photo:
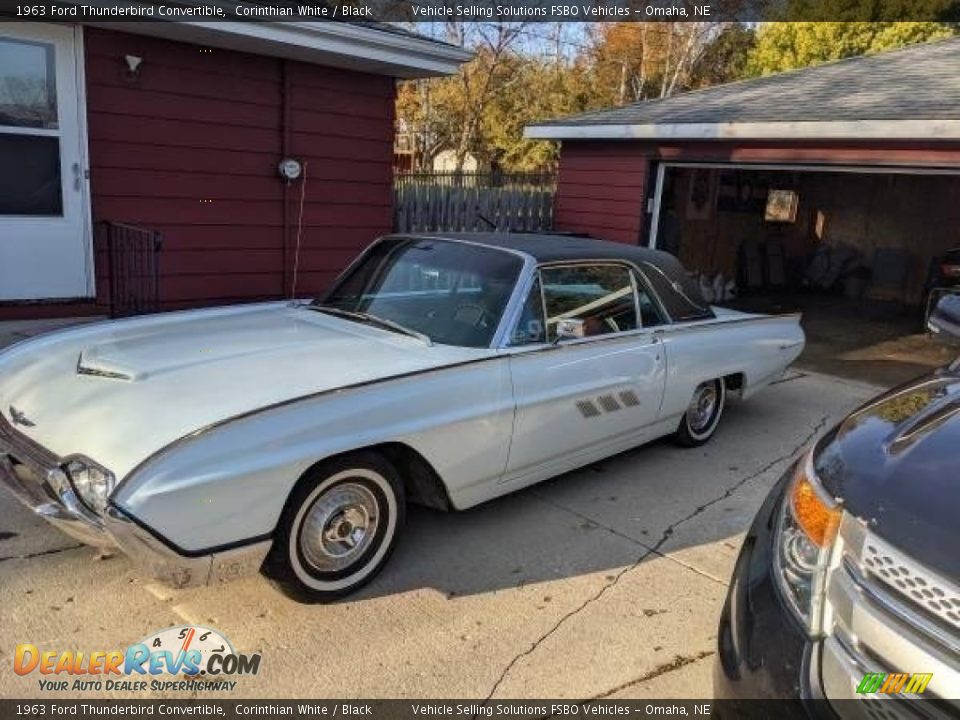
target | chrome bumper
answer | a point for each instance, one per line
(32, 473)
(181, 571)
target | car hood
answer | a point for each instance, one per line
(118, 391)
(895, 462)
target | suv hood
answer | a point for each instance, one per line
(119, 391)
(895, 463)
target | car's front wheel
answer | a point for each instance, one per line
(338, 528)
(703, 413)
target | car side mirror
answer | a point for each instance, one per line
(570, 329)
(944, 320)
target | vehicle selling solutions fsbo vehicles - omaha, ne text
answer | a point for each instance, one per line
(847, 587)
(445, 370)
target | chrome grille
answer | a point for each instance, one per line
(32, 480)
(27, 451)
(912, 580)
(27, 462)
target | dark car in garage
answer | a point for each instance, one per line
(846, 594)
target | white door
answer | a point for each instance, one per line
(581, 399)
(45, 249)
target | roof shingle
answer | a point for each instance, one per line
(919, 82)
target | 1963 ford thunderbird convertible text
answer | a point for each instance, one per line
(444, 370)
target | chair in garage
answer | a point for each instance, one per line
(890, 269)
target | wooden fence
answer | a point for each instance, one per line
(476, 179)
(478, 202)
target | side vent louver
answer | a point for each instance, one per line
(608, 403)
(587, 409)
(629, 398)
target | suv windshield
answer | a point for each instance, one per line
(454, 293)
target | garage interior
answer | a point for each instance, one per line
(854, 250)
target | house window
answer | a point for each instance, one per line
(29, 130)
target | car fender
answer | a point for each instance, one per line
(228, 483)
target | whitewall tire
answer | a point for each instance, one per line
(338, 528)
(702, 416)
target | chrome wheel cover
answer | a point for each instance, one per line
(339, 527)
(703, 407)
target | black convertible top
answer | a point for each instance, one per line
(679, 293)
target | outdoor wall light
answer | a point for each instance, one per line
(133, 63)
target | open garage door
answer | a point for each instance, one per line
(857, 250)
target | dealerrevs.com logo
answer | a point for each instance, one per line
(178, 658)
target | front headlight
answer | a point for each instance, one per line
(92, 483)
(806, 531)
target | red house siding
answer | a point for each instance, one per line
(601, 190)
(603, 185)
(190, 148)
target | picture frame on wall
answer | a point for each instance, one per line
(781, 206)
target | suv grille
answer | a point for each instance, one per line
(911, 580)
(887, 613)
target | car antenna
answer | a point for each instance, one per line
(296, 253)
(488, 221)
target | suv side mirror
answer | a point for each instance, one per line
(569, 329)
(944, 321)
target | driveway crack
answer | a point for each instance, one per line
(625, 536)
(650, 550)
(679, 661)
(54, 551)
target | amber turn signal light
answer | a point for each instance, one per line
(816, 516)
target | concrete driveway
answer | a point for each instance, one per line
(606, 582)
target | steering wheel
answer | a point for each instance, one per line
(479, 312)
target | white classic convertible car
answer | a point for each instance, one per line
(444, 370)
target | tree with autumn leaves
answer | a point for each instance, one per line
(483, 109)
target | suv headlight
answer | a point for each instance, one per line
(806, 531)
(92, 483)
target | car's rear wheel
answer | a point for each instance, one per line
(702, 416)
(338, 528)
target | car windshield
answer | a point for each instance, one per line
(453, 293)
